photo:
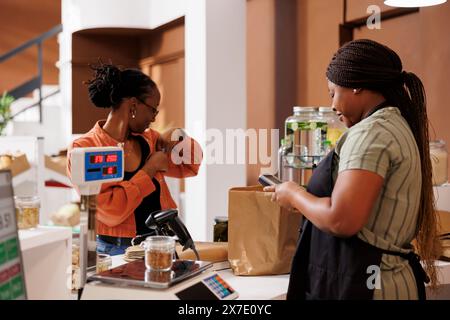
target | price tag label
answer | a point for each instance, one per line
(12, 285)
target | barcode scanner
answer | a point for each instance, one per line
(167, 223)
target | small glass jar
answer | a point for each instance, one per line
(27, 211)
(104, 262)
(76, 274)
(159, 251)
(334, 129)
(221, 229)
(439, 162)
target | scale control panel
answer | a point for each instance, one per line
(210, 288)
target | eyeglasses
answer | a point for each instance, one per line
(154, 110)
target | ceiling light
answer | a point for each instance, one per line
(413, 3)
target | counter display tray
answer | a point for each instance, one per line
(135, 274)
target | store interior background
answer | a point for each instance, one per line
(221, 64)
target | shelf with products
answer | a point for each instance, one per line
(28, 164)
(442, 196)
(55, 170)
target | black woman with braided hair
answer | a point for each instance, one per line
(123, 207)
(371, 197)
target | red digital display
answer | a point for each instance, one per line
(109, 170)
(96, 159)
(111, 157)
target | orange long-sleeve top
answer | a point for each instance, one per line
(117, 201)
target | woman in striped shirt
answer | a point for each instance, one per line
(371, 196)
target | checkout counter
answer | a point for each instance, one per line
(188, 279)
(246, 287)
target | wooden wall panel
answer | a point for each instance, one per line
(134, 48)
(169, 77)
(318, 39)
(358, 8)
(261, 85)
(162, 58)
(420, 39)
(23, 20)
(165, 40)
(87, 47)
(435, 51)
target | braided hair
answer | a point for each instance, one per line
(110, 85)
(370, 65)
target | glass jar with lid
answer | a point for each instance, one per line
(221, 229)
(303, 136)
(300, 120)
(27, 211)
(439, 162)
(103, 263)
(159, 252)
(334, 128)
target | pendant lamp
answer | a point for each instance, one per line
(413, 3)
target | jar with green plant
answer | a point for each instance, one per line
(5, 111)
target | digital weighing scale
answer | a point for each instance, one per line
(91, 167)
(188, 279)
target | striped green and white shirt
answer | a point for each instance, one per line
(384, 144)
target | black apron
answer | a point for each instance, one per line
(328, 267)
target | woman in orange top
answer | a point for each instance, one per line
(123, 207)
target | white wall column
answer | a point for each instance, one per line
(215, 46)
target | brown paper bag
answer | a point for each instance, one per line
(262, 237)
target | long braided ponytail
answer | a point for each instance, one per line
(370, 65)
